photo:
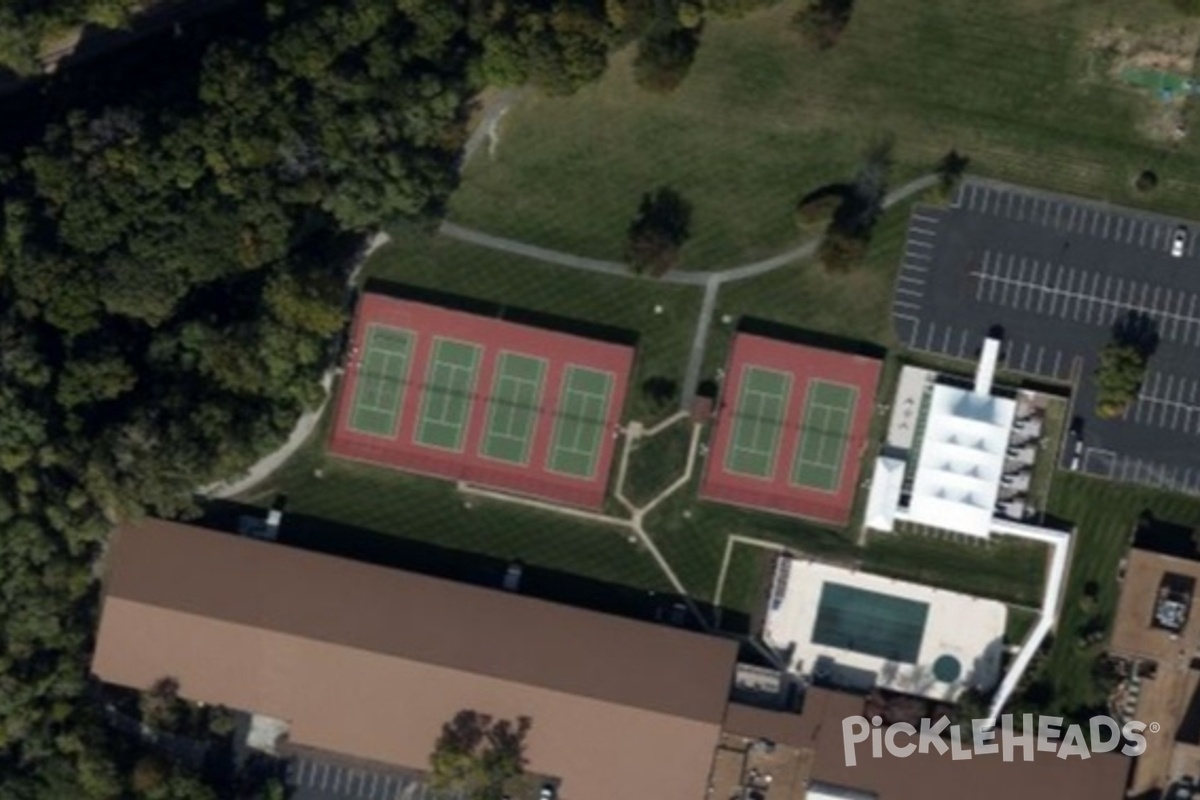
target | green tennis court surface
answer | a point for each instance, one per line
(379, 391)
(875, 624)
(580, 428)
(758, 422)
(828, 414)
(513, 408)
(449, 387)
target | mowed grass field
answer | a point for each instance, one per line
(1018, 87)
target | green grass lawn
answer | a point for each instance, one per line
(657, 462)
(1104, 515)
(384, 516)
(761, 120)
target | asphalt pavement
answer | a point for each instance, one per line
(1052, 276)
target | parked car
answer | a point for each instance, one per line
(548, 792)
(1179, 241)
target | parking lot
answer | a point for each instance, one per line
(1052, 275)
(320, 779)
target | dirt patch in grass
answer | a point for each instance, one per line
(1170, 48)
(1131, 58)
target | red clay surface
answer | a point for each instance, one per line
(494, 335)
(776, 493)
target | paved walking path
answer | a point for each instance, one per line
(694, 278)
(711, 280)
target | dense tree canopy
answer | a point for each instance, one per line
(172, 271)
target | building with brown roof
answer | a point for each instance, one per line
(818, 730)
(1157, 634)
(369, 663)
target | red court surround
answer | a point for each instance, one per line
(776, 493)
(494, 336)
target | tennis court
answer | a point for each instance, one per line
(758, 422)
(380, 388)
(580, 428)
(449, 394)
(479, 399)
(513, 409)
(875, 624)
(821, 451)
(792, 421)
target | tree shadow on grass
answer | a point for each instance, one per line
(360, 544)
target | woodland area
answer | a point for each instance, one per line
(173, 255)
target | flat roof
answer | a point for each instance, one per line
(887, 486)
(962, 459)
(370, 662)
(849, 625)
(792, 425)
(1133, 633)
(458, 395)
(927, 776)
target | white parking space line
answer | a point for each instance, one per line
(1117, 230)
(1008, 205)
(1107, 222)
(1142, 236)
(1071, 222)
(1058, 209)
(962, 344)
(1057, 362)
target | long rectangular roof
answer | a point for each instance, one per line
(371, 662)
